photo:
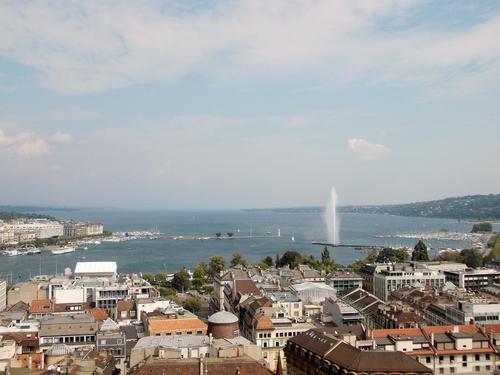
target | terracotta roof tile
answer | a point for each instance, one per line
(41, 306)
(174, 324)
(397, 331)
(99, 314)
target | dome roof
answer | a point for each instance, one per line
(223, 317)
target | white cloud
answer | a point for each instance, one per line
(35, 147)
(24, 144)
(61, 137)
(80, 47)
(368, 151)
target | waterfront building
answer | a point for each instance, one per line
(3, 295)
(95, 269)
(27, 229)
(81, 229)
(172, 322)
(473, 279)
(343, 279)
(318, 352)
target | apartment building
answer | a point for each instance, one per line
(397, 275)
(78, 330)
(171, 322)
(473, 279)
(343, 279)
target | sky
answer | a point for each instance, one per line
(247, 103)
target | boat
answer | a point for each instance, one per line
(12, 253)
(33, 251)
(63, 250)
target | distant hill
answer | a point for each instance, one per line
(471, 207)
(11, 215)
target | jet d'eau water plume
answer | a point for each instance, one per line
(330, 218)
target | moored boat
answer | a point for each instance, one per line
(63, 250)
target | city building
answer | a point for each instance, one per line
(312, 292)
(463, 349)
(172, 322)
(72, 229)
(111, 340)
(95, 269)
(28, 229)
(220, 281)
(343, 279)
(223, 324)
(318, 352)
(78, 330)
(243, 365)
(397, 275)
(27, 292)
(340, 313)
(365, 303)
(473, 279)
(290, 304)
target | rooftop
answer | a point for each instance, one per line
(223, 317)
(95, 267)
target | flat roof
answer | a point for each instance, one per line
(95, 267)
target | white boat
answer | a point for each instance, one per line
(63, 250)
(32, 251)
(12, 253)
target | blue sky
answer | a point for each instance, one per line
(250, 103)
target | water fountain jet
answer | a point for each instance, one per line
(331, 220)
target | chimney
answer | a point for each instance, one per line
(432, 338)
(455, 329)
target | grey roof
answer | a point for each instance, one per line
(284, 297)
(173, 341)
(223, 317)
(109, 325)
(130, 332)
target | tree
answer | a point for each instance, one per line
(230, 234)
(160, 277)
(216, 265)
(277, 261)
(472, 258)
(148, 276)
(482, 227)
(291, 258)
(325, 257)
(420, 252)
(218, 234)
(167, 292)
(389, 254)
(268, 261)
(181, 280)
(238, 260)
(199, 275)
(192, 304)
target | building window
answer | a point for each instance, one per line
(452, 370)
(488, 367)
(478, 357)
(103, 342)
(487, 357)
(464, 358)
(477, 368)
(428, 359)
(441, 370)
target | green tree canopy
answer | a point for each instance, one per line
(199, 275)
(148, 276)
(216, 264)
(389, 254)
(325, 257)
(160, 277)
(472, 258)
(268, 261)
(291, 258)
(238, 259)
(192, 304)
(482, 227)
(181, 280)
(420, 252)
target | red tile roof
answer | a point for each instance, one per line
(41, 306)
